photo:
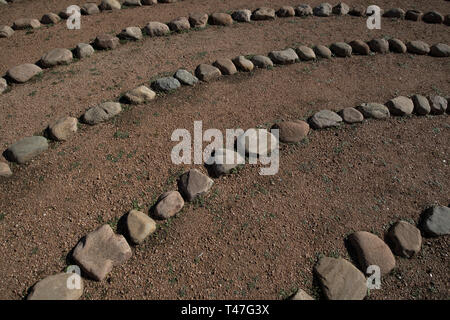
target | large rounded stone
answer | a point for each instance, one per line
(357, 11)
(263, 13)
(292, 131)
(131, 33)
(341, 49)
(397, 46)
(405, 239)
(63, 128)
(56, 57)
(256, 142)
(26, 149)
(140, 95)
(185, 77)
(198, 20)
(374, 110)
(285, 11)
(351, 115)
(6, 31)
(56, 287)
(226, 66)
(438, 104)
(179, 24)
(166, 84)
(23, 72)
(400, 106)
(131, 3)
(156, 29)
(433, 17)
(305, 53)
(436, 221)
(394, 13)
(413, 15)
(287, 56)
(106, 41)
(83, 50)
(223, 161)
(206, 72)
(102, 112)
(139, 226)
(440, 50)
(323, 10)
(220, 19)
(262, 61)
(341, 9)
(50, 18)
(243, 64)
(110, 5)
(322, 52)
(90, 8)
(168, 204)
(193, 184)
(418, 47)
(325, 119)
(421, 105)
(379, 45)
(303, 10)
(26, 23)
(243, 15)
(360, 47)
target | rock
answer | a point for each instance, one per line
(285, 11)
(433, 17)
(394, 13)
(325, 119)
(413, 15)
(357, 11)
(63, 128)
(50, 18)
(131, 33)
(323, 10)
(63, 15)
(55, 288)
(440, 50)
(23, 72)
(106, 41)
(5, 171)
(400, 106)
(102, 112)
(405, 239)
(301, 295)
(418, 47)
(447, 20)
(436, 221)
(26, 149)
(340, 280)
(132, 3)
(206, 72)
(179, 24)
(90, 8)
(224, 161)
(341, 9)
(341, 49)
(438, 104)
(149, 2)
(374, 110)
(3, 85)
(193, 184)
(243, 64)
(185, 77)
(360, 47)
(262, 62)
(225, 66)
(221, 19)
(305, 53)
(303, 10)
(256, 142)
(243, 15)
(3, 2)
(351, 115)
(168, 204)
(110, 5)
(263, 13)
(156, 29)
(6, 31)
(139, 226)
(371, 250)
(292, 131)
(198, 20)
(26, 23)
(140, 95)
(397, 46)
(287, 56)
(166, 84)
(83, 50)
(421, 105)
(99, 251)
(322, 52)
(56, 57)
(379, 45)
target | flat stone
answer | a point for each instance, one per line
(292, 131)
(341, 49)
(405, 239)
(185, 77)
(5, 170)
(106, 41)
(379, 45)
(26, 23)
(90, 8)
(357, 11)
(110, 5)
(305, 53)
(323, 10)
(23, 72)
(421, 105)
(322, 52)
(325, 119)
(374, 110)
(166, 84)
(262, 61)
(193, 184)
(198, 20)
(99, 251)
(6, 31)
(50, 18)
(303, 10)
(226, 66)
(243, 64)
(360, 47)
(139, 226)
(397, 46)
(55, 288)
(263, 13)
(223, 161)
(179, 24)
(351, 115)
(413, 15)
(340, 280)
(285, 11)
(394, 13)
(341, 9)
(56, 57)
(243, 15)
(436, 221)
(433, 17)
(168, 204)
(131, 33)
(400, 106)
(438, 104)
(301, 295)
(371, 250)
(206, 72)
(26, 149)
(220, 19)
(156, 29)
(63, 128)
(287, 56)
(102, 112)
(3, 85)
(440, 50)
(418, 47)
(256, 142)
(139, 95)
(83, 50)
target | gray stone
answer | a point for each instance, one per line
(323, 10)
(418, 47)
(397, 46)
(243, 15)
(226, 66)
(341, 9)
(139, 226)
(149, 2)
(185, 77)
(413, 15)
(440, 50)
(292, 131)
(83, 50)
(139, 95)
(341, 49)
(50, 18)
(351, 115)
(250, 142)
(221, 19)
(224, 161)
(421, 105)
(90, 8)
(26, 23)
(325, 119)
(131, 33)
(26, 149)
(303, 10)
(301, 295)
(285, 11)
(243, 64)
(433, 17)
(374, 110)
(5, 171)
(198, 20)
(168, 204)
(55, 288)
(3, 85)
(287, 56)
(166, 84)
(438, 104)
(102, 112)
(110, 5)
(262, 62)
(179, 24)
(400, 106)
(156, 29)
(405, 239)
(193, 184)
(394, 13)
(23, 72)
(106, 41)
(305, 53)
(322, 52)
(132, 3)
(379, 45)
(56, 57)
(360, 47)
(6, 31)
(63, 128)
(263, 13)
(357, 11)
(436, 221)
(206, 72)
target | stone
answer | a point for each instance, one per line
(341, 9)
(374, 110)
(179, 24)
(286, 11)
(305, 53)
(26, 23)
(303, 10)
(435, 221)
(110, 5)
(99, 251)
(3, 2)
(397, 46)
(243, 64)
(83, 50)
(360, 47)
(394, 13)
(64, 15)
(438, 104)
(193, 184)
(63, 128)
(440, 50)
(55, 288)
(223, 161)
(292, 131)
(149, 2)
(421, 105)
(405, 239)
(418, 47)
(131, 33)
(301, 295)
(263, 13)
(287, 56)
(156, 29)
(23, 72)
(322, 52)
(168, 204)
(447, 20)
(132, 3)
(90, 8)
(323, 10)
(206, 72)
(340, 280)
(5, 171)
(262, 62)
(413, 15)
(6, 31)
(185, 77)
(325, 119)
(433, 17)
(139, 226)
(56, 57)
(400, 106)
(220, 19)
(243, 15)
(198, 20)
(256, 142)
(102, 112)
(106, 41)
(26, 149)
(3, 85)
(357, 11)
(50, 18)
(379, 45)
(341, 49)
(166, 84)
(225, 66)
(351, 115)
(139, 95)
(371, 250)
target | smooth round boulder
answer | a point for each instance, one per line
(413, 15)
(440, 50)
(263, 13)
(198, 20)
(435, 221)
(223, 161)
(106, 42)
(421, 105)
(374, 110)
(359, 47)
(26, 149)
(262, 62)
(243, 64)
(256, 142)
(305, 53)
(26, 23)
(400, 106)
(131, 33)
(23, 72)
(303, 10)
(351, 115)
(292, 131)
(110, 5)
(220, 19)
(341, 49)
(285, 11)
(397, 13)
(63, 128)
(433, 17)
(438, 104)
(90, 8)
(325, 119)
(83, 50)
(56, 57)
(418, 47)
(50, 18)
(287, 56)
(397, 46)
(166, 84)
(323, 10)
(405, 239)
(185, 77)
(322, 52)
(6, 31)
(139, 226)
(206, 72)
(156, 29)
(379, 45)
(341, 9)
(226, 66)
(168, 204)
(243, 15)
(139, 95)
(179, 24)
